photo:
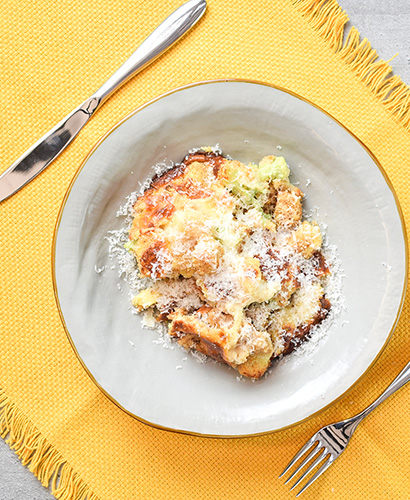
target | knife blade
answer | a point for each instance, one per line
(45, 150)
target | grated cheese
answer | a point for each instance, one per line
(248, 275)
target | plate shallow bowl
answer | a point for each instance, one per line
(166, 387)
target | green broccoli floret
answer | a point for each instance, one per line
(130, 245)
(273, 167)
(245, 184)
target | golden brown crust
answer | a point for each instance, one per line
(214, 159)
(306, 239)
(191, 190)
(288, 209)
(192, 333)
(167, 177)
(205, 323)
(191, 341)
(284, 202)
(202, 221)
(294, 336)
(151, 211)
(255, 366)
(288, 272)
(166, 223)
(217, 334)
(150, 264)
(319, 265)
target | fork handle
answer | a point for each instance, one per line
(398, 382)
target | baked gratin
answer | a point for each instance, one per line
(235, 272)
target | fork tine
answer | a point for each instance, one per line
(311, 466)
(305, 461)
(299, 454)
(317, 474)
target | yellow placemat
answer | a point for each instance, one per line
(54, 55)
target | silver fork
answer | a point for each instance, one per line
(329, 443)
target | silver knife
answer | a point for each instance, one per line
(44, 151)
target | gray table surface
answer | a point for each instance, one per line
(386, 24)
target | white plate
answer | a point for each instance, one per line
(355, 200)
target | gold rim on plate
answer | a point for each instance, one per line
(102, 139)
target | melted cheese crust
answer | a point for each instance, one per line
(236, 272)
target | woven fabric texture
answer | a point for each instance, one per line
(54, 55)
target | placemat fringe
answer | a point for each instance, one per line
(328, 19)
(42, 459)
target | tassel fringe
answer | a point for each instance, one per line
(328, 19)
(42, 459)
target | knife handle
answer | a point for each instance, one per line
(44, 151)
(167, 33)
